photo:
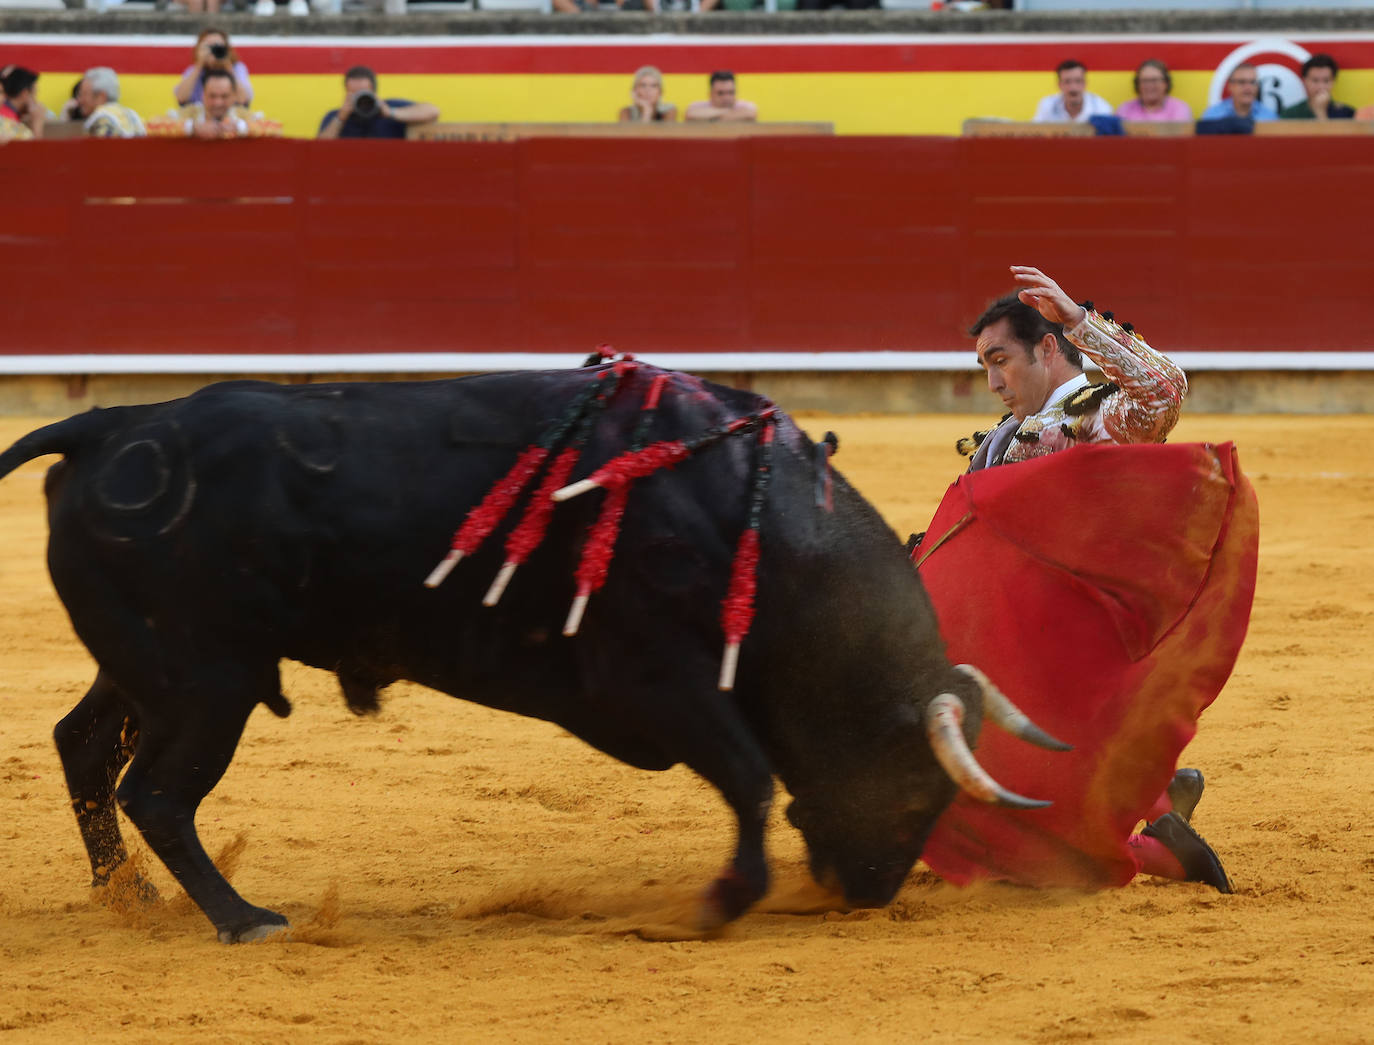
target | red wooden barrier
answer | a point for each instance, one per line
(765, 244)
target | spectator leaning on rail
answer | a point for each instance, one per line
(22, 115)
(97, 99)
(1318, 78)
(1153, 100)
(646, 99)
(1074, 103)
(364, 115)
(213, 51)
(1244, 100)
(724, 105)
(216, 116)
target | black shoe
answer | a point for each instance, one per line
(1200, 862)
(1185, 791)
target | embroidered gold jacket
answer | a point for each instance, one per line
(1139, 404)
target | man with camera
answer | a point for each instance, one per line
(365, 115)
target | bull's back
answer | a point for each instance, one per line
(304, 519)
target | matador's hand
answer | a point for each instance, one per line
(1045, 296)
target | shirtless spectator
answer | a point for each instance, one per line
(1074, 103)
(723, 106)
(22, 115)
(1318, 78)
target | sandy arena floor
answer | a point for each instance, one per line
(457, 874)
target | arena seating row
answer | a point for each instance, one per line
(991, 127)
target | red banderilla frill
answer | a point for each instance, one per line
(506, 491)
(600, 544)
(737, 610)
(488, 515)
(529, 532)
(637, 464)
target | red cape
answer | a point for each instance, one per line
(1107, 591)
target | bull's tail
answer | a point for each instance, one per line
(64, 437)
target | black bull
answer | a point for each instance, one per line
(198, 542)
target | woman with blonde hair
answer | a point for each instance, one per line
(646, 99)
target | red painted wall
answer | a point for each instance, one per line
(816, 244)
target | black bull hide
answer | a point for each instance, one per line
(196, 543)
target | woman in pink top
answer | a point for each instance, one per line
(1153, 100)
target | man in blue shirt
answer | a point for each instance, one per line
(364, 115)
(1244, 100)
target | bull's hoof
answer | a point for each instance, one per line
(728, 898)
(268, 923)
(135, 886)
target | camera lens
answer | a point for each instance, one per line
(219, 50)
(365, 104)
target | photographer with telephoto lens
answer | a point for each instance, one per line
(364, 114)
(213, 51)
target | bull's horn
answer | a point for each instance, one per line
(944, 722)
(1007, 715)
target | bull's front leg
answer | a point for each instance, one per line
(95, 741)
(733, 761)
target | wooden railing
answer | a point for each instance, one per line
(796, 243)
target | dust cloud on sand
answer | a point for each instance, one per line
(453, 873)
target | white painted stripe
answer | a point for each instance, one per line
(483, 362)
(178, 41)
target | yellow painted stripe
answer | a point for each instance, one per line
(857, 103)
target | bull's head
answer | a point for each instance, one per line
(866, 842)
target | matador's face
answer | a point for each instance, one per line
(1018, 373)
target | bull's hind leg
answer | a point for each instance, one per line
(95, 742)
(183, 750)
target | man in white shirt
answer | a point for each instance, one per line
(1074, 103)
(216, 117)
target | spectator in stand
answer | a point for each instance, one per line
(98, 102)
(724, 106)
(1074, 103)
(1318, 77)
(213, 51)
(1153, 100)
(22, 115)
(570, 7)
(364, 115)
(1244, 101)
(215, 117)
(646, 99)
(71, 108)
